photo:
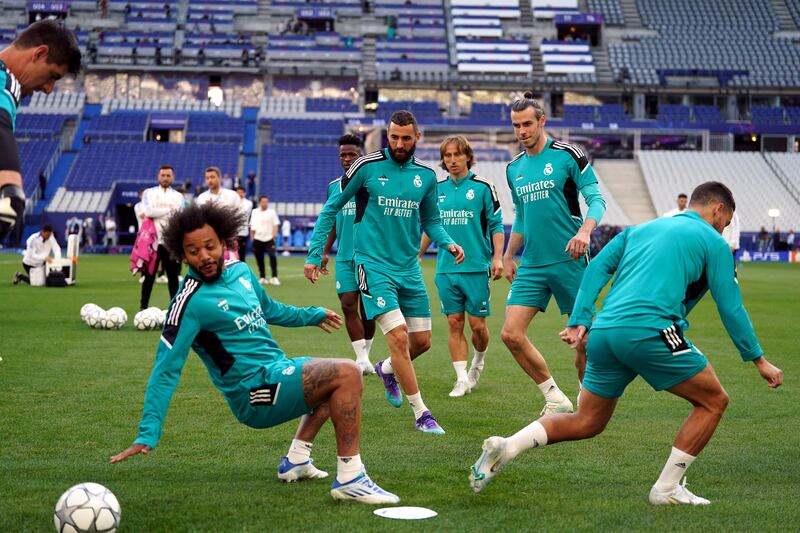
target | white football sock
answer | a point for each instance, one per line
(461, 370)
(531, 436)
(551, 391)
(367, 346)
(299, 451)
(416, 403)
(674, 470)
(477, 359)
(386, 367)
(348, 468)
(358, 349)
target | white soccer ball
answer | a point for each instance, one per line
(116, 317)
(88, 507)
(145, 320)
(86, 309)
(162, 317)
(96, 318)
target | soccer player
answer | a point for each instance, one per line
(545, 180)
(40, 56)
(224, 315)
(470, 211)
(395, 194)
(360, 329)
(159, 203)
(215, 191)
(663, 268)
(38, 250)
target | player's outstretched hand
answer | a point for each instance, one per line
(771, 373)
(311, 272)
(510, 268)
(578, 245)
(573, 335)
(331, 321)
(497, 268)
(457, 252)
(323, 265)
(136, 449)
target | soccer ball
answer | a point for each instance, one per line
(86, 309)
(116, 317)
(162, 317)
(145, 320)
(96, 318)
(88, 507)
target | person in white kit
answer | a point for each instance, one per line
(159, 203)
(38, 248)
(264, 224)
(111, 231)
(680, 207)
(731, 234)
(247, 209)
(216, 192)
(286, 235)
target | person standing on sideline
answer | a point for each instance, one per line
(360, 329)
(545, 180)
(264, 223)
(395, 194)
(682, 202)
(138, 210)
(262, 386)
(111, 231)
(732, 235)
(41, 55)
(215, 192)
(246, 207)
(286, 236)
(159, 203)
(38, 250)
(641, 332)
(470, 211)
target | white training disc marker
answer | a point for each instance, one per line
(406, 513)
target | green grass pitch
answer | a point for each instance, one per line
(70, 397)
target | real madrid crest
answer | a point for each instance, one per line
(470, 194)
(548, 169)
(417, 181)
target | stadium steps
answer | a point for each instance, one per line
(250, 147)
(625, 180)
(791, 188)
(525, 13)
(368, 57)
(602, 65)
(538, 63)
(784, 18)
(630, 14)
(89, 112)
(264, 8)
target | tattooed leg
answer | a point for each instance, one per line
(336, 383)
(311, 424)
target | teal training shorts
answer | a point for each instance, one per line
(533, 285)
(616, 356)
(468, 291)
(276, 394)
(346, 277)
(382, 292)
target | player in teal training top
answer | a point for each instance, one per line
(470, 212)
(222, 312)
(545, 181)
(41, 55)
(360, 329)
(663, 268)
(395, 193)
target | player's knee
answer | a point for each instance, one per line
(398, 339)
(420, 342)
(511, 338)
(350, 307)
(590, 426)
(455, 323)
(719, 402)
(351, 375)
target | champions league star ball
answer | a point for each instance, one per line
(116, 317)
(96, 318)
(86, 309)
(146, 319)
(88, 507)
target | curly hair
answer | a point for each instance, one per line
(224, 220)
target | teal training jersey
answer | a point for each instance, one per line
(226, 324)
(544, 188)
(663, 268)
(392, 201)
(470, 213)
(10, 93)
(344, 223)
